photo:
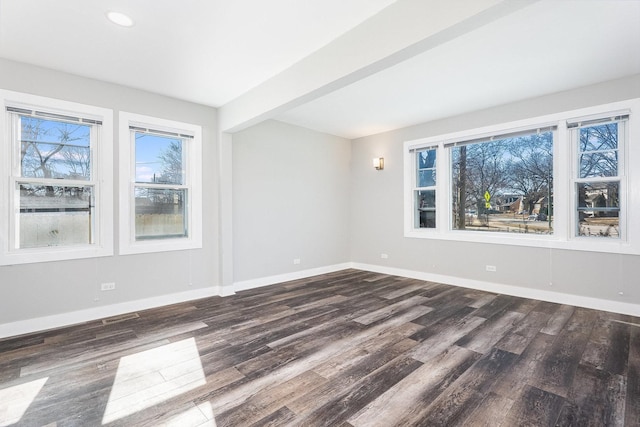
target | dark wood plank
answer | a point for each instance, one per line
(556, 371)
(349, 348)
(632, 407)
(596, 398)
(517, 340)
(535, 408)
(608, 346)
(408, 400)
(446, 337)
(462, 398)
(347, 376)
(558, 319)
(277, 418)
(511, 383)
(266, 402)
(498, 305)
(347, 402)
(485, 336)
(489, 413)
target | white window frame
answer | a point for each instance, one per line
(565, 200)
(623, 141)
(193, 182)
(102, 164)
(416, 188)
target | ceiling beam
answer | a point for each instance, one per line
(397, 33)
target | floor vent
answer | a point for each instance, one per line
(122, 318)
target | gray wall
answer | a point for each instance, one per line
(301, 194)
(290, 200)
(35, 290)
(376, 222)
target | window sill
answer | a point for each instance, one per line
(36, 255)
(151, 246)
(587, 244)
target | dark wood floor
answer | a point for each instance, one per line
(345, 349)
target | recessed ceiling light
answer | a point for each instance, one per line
(120, 19)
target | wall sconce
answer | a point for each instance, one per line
(378, 163)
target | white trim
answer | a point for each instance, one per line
(563, 237)
(75, 317)
(516, 291)
(225, 209)
(127, 243)
(271, 280)
(103, 182)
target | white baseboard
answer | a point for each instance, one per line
(81, 316)
(66, 319)
(271, 280)
(516, 291)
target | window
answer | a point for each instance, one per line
(504, 183)
(425, 190)
(58, 173)
(160, 191)
(160, 184)
(556, 181)
(597, 181)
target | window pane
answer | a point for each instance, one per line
(425, 203)
(599, 209)
(159, 159)
(160, 213)
(426, 168)
(504, 185)
(54, 149)
(599, 164)
(54, 216)
(427, 178)
(599, 137)
(599, 150)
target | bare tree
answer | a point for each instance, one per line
(520, 166)
(462, 187)
(40, 158)
(530, 168)
(172, 163)
(477, 169)
(598, 147)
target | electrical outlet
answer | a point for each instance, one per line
(491, 268)
(384, 256)
(296, 261)
(109, 286)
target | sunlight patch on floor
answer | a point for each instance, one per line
(153, 376)
(207, 410)
(15, 400)
(195, 416)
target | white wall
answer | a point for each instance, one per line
(32, 291)
(376, 223)
(290, 200)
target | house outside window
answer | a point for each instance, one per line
(504, 183)
(597, 180)
(557, 181)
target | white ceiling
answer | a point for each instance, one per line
(205, 51)
(214, 51)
